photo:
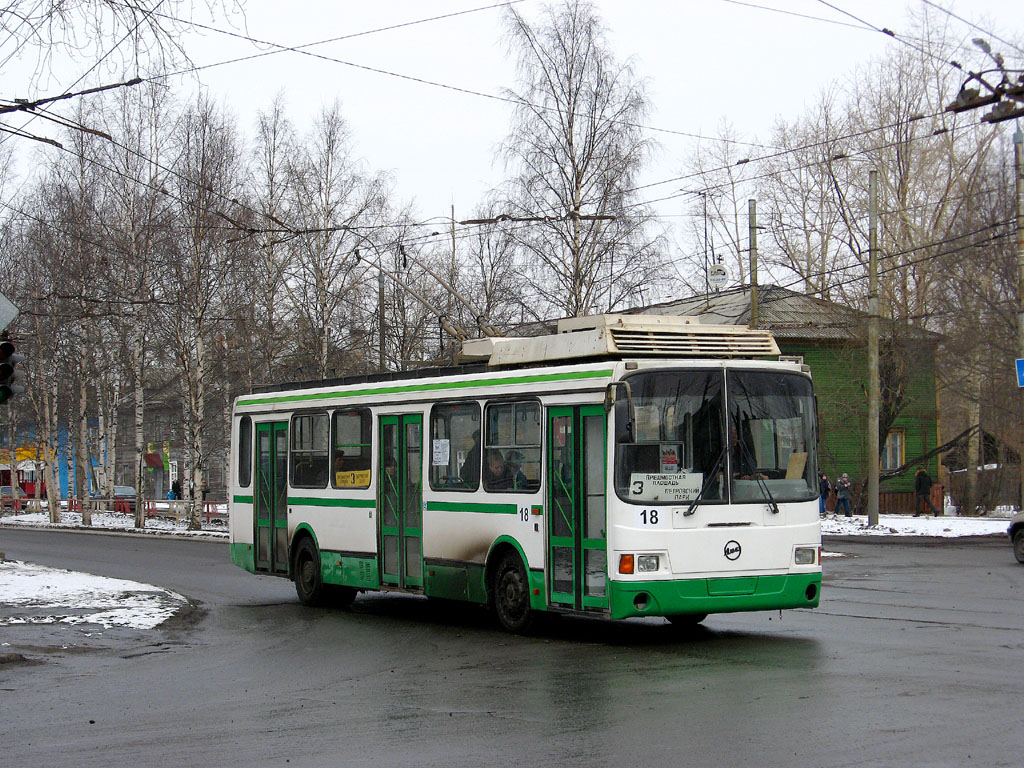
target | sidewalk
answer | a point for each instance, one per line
(117, 521)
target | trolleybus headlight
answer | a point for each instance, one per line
(805, 555)
(648, 563)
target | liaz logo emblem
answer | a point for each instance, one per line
(732, 550)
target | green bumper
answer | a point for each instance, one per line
(243, 556)
(741, 593)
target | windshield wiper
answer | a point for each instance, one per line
(707, 483)
(772, 505)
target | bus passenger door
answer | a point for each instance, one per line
(577, 546)
(271, 497)
(400, 500)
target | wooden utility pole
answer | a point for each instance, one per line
(874, 386)
(752, 223)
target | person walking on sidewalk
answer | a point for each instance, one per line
(824, 486)
(843, 494)
(922, 492)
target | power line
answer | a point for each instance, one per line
(972, 25)
(300, 49)
(794, 13)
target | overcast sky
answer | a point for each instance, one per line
(704, 61)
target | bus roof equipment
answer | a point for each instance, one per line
(604, 336)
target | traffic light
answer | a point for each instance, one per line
(9, 375)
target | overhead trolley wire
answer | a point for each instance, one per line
(974, 26)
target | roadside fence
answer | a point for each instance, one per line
(177, 510)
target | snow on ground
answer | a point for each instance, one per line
(35, 594)
(908, 525)
(217, 527)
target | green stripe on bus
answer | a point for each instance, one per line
(441, 385)
(311, 501)
(468, 506)
(242, 499)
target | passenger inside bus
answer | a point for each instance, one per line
(470, 470)
(498, 475)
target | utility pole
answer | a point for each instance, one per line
(380, 309)
(752, 223)
(706, 265)
(874, 386)
(1018, 157)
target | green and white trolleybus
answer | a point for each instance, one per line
(628, 465)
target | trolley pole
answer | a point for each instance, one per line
(752, 223)
(1018, 157)
(874, 385)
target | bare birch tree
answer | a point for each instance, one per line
(575, 149)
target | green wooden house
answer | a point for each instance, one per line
(830, 338)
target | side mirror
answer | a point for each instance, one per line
(609, 403)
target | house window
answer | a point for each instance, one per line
(893, 452)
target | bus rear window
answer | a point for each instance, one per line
(244, 452)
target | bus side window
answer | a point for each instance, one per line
(513, 434)
(351, 448)
(455, 447)
(308, 455)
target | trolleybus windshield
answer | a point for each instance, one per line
(720, 436)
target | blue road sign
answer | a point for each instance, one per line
(1020, 372)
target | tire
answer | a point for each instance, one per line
(309, 585)
(686, 620)
(511, 591)
(341, 597)
(1018, 544)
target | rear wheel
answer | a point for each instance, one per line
(342, 597)
(511, 590)
(1018, 544)
(309, 586)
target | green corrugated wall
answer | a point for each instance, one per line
(841, 384)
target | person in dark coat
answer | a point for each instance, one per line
(922, 492)
(824, 487)
(843, 494)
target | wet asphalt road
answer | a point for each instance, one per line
(915, 657)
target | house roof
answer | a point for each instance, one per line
(789, 315)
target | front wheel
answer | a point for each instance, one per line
(309, 586)
(1018, 544)
(512, 595)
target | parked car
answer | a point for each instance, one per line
(1016, 531)
(8, 492)
(120, 492)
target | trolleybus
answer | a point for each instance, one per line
(628, 465)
